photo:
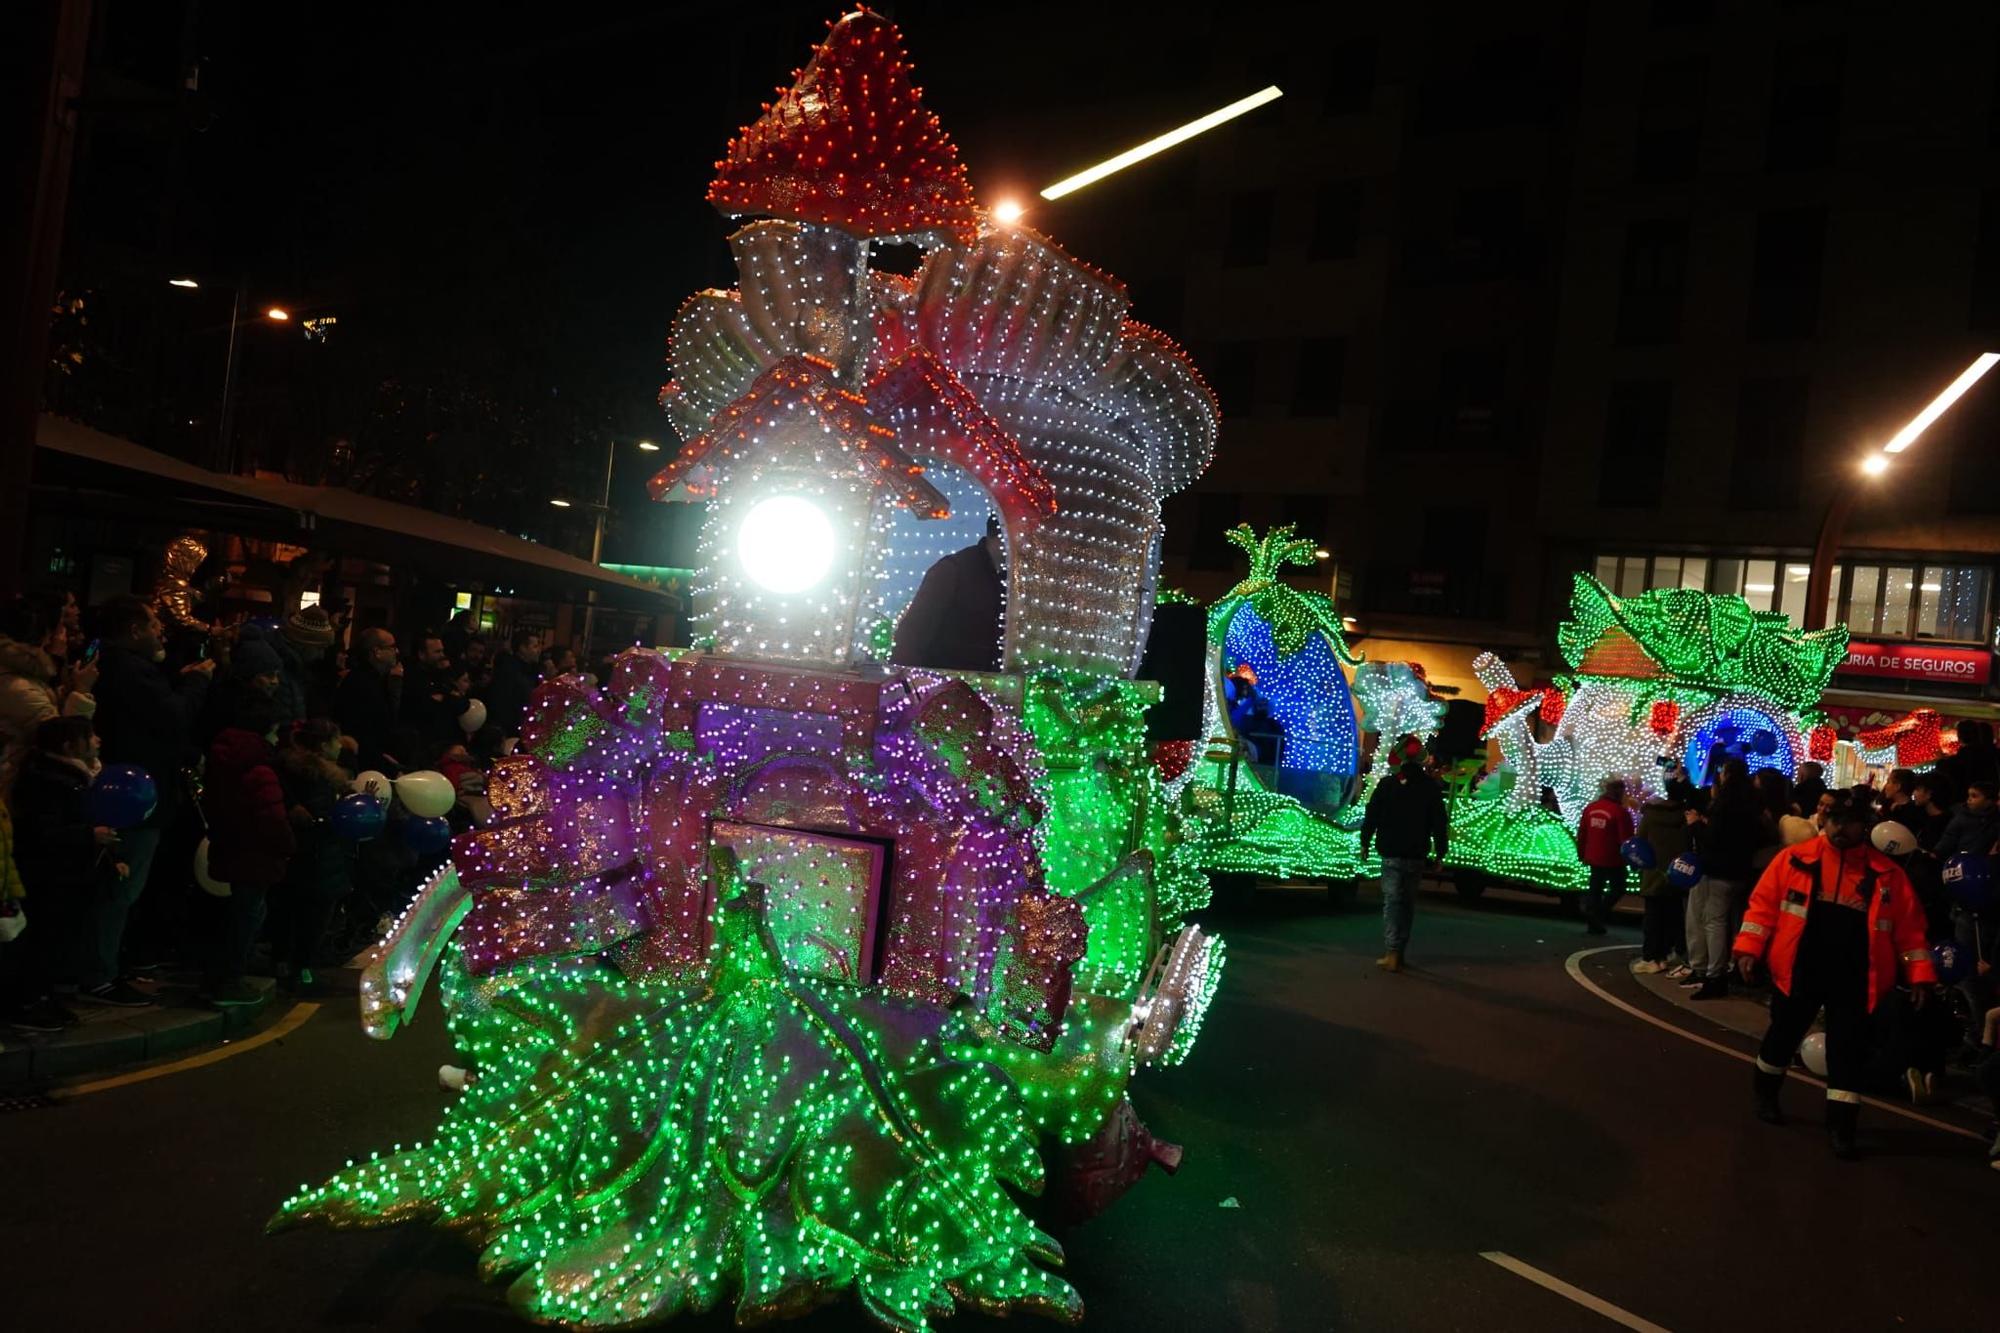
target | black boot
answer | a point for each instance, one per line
(1716, 987)
(1840, 1118)
(1767, 1086)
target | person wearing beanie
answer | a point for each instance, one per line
(255, 670)
(302, 645)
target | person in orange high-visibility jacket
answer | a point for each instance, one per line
(1839, 925)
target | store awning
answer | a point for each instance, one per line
(115, 477)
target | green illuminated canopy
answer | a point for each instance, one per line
(1708, 640)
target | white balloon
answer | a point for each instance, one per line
(427, 793)
(208, 882)
(1892, 839)
(473, 718)
(1813, 1051)
(369, 782)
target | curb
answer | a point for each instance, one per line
(109, 1037)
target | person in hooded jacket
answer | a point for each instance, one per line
(250, 842)
(321, 871)
(1663, 824)
(1839, 925)
(35, 681)
(69, 862)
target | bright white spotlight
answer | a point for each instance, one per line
(182, 282)
(1875, 464)
(785, 543)
(1007, 212)
(1091, 175)
(1907, 436)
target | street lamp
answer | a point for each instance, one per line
(1160, 143)
(1819, 582)
(225, 435)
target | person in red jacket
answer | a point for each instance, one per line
(1600, 837)
(1838, 924)
(250, 841)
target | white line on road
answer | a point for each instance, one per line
(1574, 965)
(1595, 1304)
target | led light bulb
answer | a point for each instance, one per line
(786, 544)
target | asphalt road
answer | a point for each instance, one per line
(1377, 1134)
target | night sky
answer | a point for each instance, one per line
(522, 191)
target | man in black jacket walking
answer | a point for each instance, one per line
(1405, 819)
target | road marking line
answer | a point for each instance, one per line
(284, 1027)
(1574, 965)
(1595, 1304)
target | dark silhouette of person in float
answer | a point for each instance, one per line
(953, 623)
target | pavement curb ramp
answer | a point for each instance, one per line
(108, 1037)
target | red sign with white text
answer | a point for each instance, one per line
(1919, 661)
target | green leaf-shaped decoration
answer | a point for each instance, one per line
(1712, 641)
(1293, 615)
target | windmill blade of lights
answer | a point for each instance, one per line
(1091, 175)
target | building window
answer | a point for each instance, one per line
(1216, 512)
(1670, 106)
(1248, 240)
(1784, 278)
(1861, 606)
(1770, 436)
(1805, 104)
(1951, 603)
(1337, 221)
(1471, 389)
(1792, 592)
(1633, 461)
(1649, 297)
(1488, 227)
(1349, 68)
(1322, 364)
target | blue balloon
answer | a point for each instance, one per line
(123, 796)
(1638, 853)
(1765, 743)
(1685, 871)
(359, 817)
(427, 835)
(1968, 878)
(1951, 962)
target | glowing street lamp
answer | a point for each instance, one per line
(1007, 212)
(559, 502)
(277, 314)
(1160, 144)
(648, 447)
(1819, 583)
(189, 283)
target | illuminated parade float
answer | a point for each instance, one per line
(1670, 676)
(782, 967)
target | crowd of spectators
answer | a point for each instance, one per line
(252, 733)
(1729, 831)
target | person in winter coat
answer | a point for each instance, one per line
(514, 681)
(35, 679)
(1974, 823)
(71, 865)
(145, 717)
(302, 645)
(1838, 924)
(1727, 838)
(1663, 825)
(250, 842)
(1405, 819)
(321, 871)
(254, 669)
(954, 622)
(1600, 840)
(25, 1002)
(366, 703)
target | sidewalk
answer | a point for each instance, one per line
(109, 1036)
